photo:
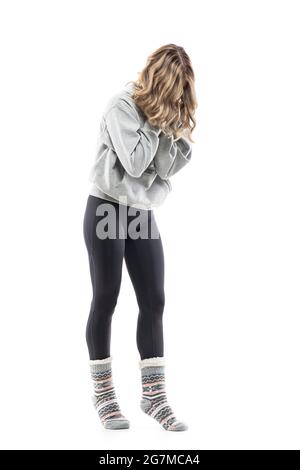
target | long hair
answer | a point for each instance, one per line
(165, 91)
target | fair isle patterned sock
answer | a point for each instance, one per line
(154, 400)
(104, 398)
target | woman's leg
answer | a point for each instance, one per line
(105, 261)
(145, 264)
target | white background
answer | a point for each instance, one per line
(230, 227)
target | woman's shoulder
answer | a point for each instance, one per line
(122, 99)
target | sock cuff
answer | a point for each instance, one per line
(152, 362)
(100, 364)
(100, 361)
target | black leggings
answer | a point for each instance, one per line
(144, 259)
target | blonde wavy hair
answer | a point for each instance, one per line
(165, 91)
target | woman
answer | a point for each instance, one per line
(145, 137)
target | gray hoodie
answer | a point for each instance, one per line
(134, 159)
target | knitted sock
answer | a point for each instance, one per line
(154, 400)
(104, 398)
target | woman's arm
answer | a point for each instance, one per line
(171, 155)
(134, 145)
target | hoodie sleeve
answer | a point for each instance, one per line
(135, 145)
(172, 155)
